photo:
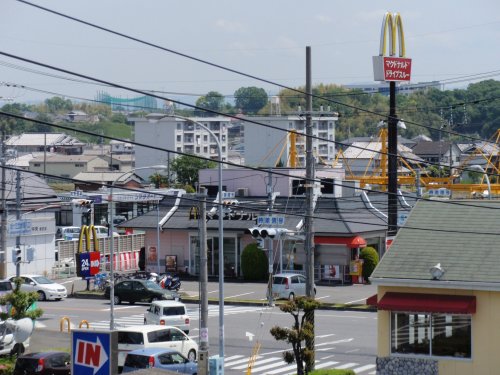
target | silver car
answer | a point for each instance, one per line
(289, 286)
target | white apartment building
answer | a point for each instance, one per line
(266, 146)
(176, 134)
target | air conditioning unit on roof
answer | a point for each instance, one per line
(242, 192)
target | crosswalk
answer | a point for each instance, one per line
(274, 365)
(193, 312)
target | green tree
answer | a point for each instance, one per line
(56, 104)
(300, 331)
(254, 264)
(370, 260)
(250, 99)
(213, 101)
(158, 180)
(186, 168)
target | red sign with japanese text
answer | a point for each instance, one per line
(397, 68)
(391, 68)
(95, 262)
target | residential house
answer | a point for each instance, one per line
(443, 153)
(81, 116)
(65, 166)
(59, 143)
(91, 181)
(438, 292)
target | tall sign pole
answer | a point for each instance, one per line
(308, 221)
(3, 198)
(391, 68)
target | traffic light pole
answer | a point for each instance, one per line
(270, 240)
(3, 224)
(204, 345)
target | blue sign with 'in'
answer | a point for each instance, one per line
(92, 352)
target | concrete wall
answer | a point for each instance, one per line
(485, 333)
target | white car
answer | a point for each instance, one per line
(289, 286)
(154, 336)
(46, 289)
(168, 313)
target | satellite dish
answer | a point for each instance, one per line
(22, 328)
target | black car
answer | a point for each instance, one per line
(136, 290)
(53, 363)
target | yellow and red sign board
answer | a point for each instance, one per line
(392, 67)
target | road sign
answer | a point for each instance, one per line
(19, 228)
(94, 352)
(270, 220)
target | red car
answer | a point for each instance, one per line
(54, 363)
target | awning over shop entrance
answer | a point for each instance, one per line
(351, 242)
(421, 302)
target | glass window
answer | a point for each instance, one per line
(135, 338)
(442, 335)
(159, 336)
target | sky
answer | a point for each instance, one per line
(446, 39)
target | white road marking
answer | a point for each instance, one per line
(326, 364)
(258, 363)
(323, 336)
(316, 298)
(357, 370)
(239, 361)
(334, 342)
(346, 366)
(357, 300)
(239, 295)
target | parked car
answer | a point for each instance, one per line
(154, 336)
(165, 359)
(43, 363)
(137, 290)
(289, 286)
(46, 288)
(68, 233)
(168, 313)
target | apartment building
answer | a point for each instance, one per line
(179, 135)
(269, 146)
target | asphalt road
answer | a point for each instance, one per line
(343, 338)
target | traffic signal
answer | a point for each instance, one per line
(264, 232)
(18, 255)
(86, 205)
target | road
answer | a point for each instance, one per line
(344, 339)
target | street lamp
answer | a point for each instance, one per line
(481, 169)
(221, 229)
(111, 210)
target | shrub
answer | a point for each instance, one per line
(254, 263)
(370, 261)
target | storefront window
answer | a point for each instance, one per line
(431, 334)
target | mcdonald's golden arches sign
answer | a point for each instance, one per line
(391, 67)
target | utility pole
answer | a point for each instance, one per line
(392, 125)
(270, 240)
(18, 217)
(3, 224)
(204, 345)
(308, 222)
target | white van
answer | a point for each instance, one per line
(168, 313)
(154, 336)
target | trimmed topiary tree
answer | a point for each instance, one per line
(370, 261)
(254, 263)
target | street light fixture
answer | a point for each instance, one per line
(221, 228)
(481, 169)
(111, 210)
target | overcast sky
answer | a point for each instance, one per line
(447, 39)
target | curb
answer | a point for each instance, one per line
(190, 300)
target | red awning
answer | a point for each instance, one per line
(351, 242)
(430, 303)
(372, 301)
